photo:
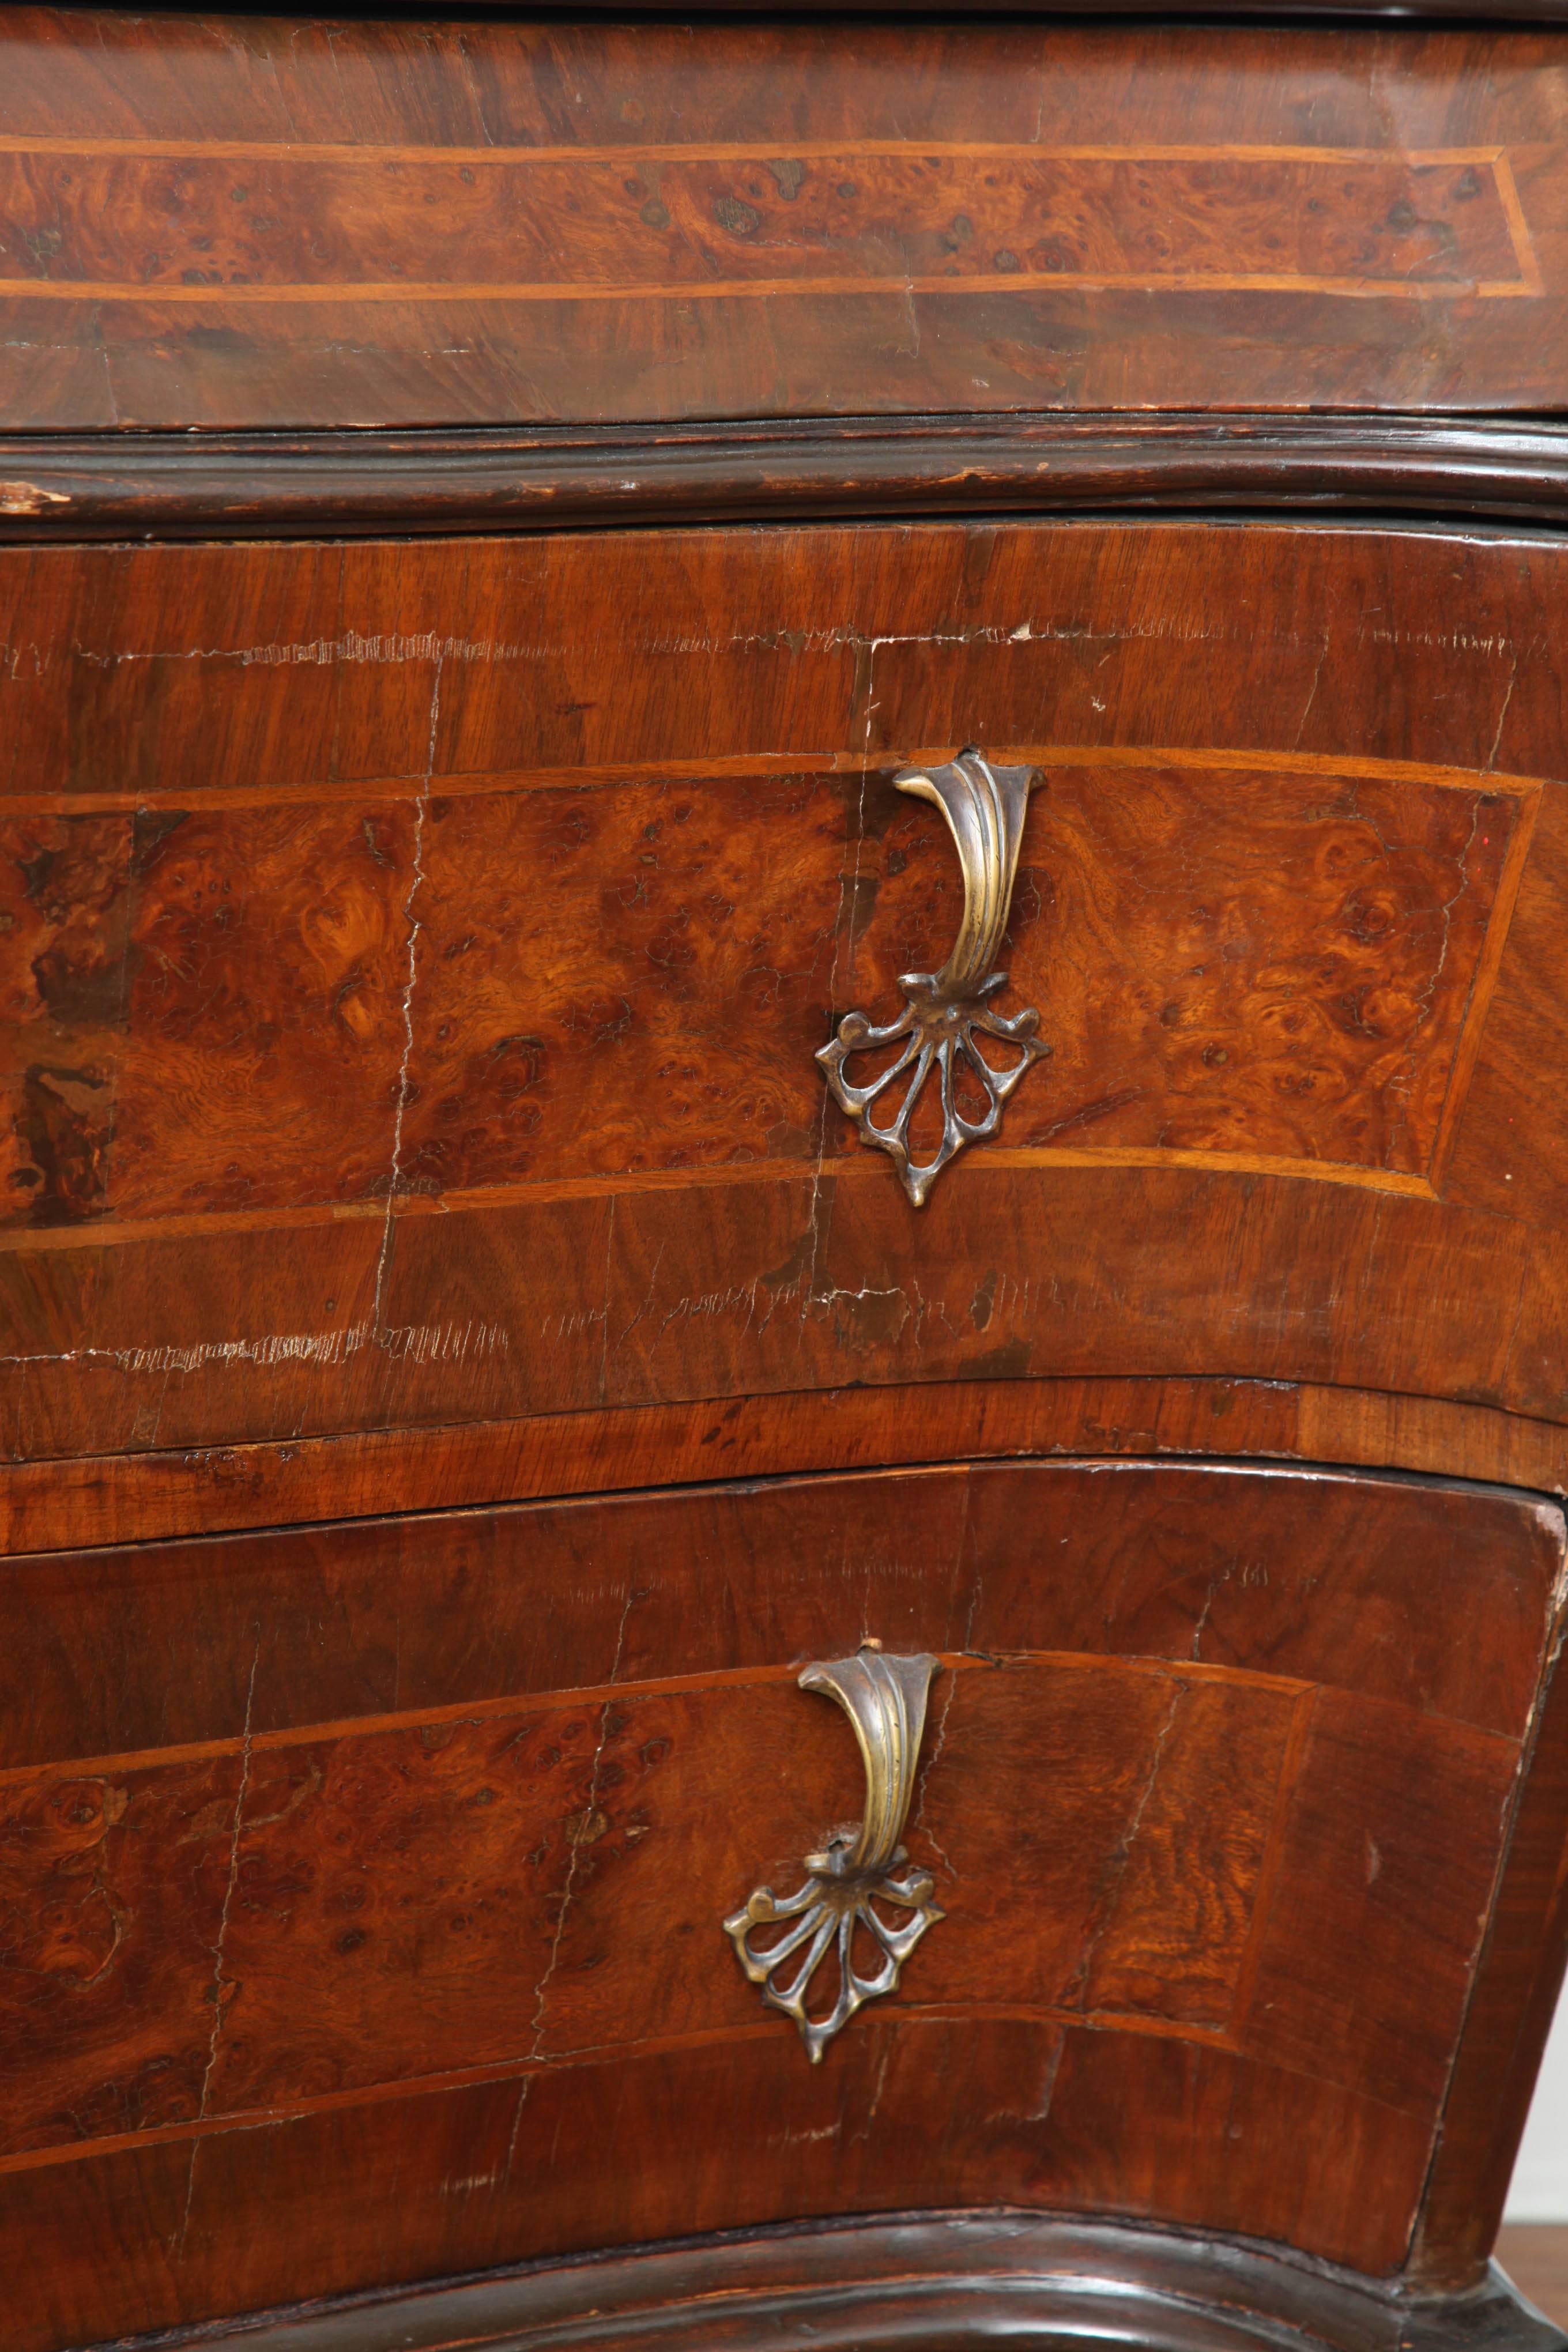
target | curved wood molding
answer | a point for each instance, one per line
(53, 1506)
(1378, 12)
(170, 485)
(941, 2279)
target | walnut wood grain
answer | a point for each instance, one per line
(434, 1029)
(1307, 1004)
(535, 1876)
(1512, 2011)
(413, 951)
(422, 228)
(469, 2177)
(1214, 1861)
(1256, 1571)
(151, 1495)
(112, 1890)
(662, 222)
(114, 1348)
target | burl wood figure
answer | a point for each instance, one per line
(783, 1188)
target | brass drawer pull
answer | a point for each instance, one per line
(944, 1011)
(885, 1699)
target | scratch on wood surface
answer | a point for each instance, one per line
(933, 1760)
(178, 2247)
(217, 1992)
(576, 1846)
(604, 1334)
(400, 1099)
(1311, 690)
(240, 1793)
(1200, 1623)
(841, 985)
(884, 2060)
(1116, 1868)
(1503, 714)
(389, 649)
(1454, 641)
(646, 1304)
(523, 2090)
(1425, 997)
(938, 1743)
(418, 1343)
(1048, 2090)
(393, 649)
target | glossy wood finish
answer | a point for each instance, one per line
(305, 1625)
(138, 1497)
(926, 2285)
(573, 1006)
(413, 954)
(75, 486)
(686, 932)
(292, 226)
(416, 1875)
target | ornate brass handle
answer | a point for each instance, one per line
(984, 808)
(885, 1699)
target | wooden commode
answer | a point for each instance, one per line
(783, 1192)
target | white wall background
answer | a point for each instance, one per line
(1539, 2191)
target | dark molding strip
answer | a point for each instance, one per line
(171, 486)
(1377, 13)
(928, 2283)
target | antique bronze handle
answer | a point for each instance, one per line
(984, 808)
(885, 1699)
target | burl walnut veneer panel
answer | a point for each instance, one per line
(675, 973)
(231, 222)
(420, 1872)
(416, 958)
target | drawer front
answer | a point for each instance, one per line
(416, 960)
(386, 1937)
(583, 222)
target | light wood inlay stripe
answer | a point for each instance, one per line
(337, 292)
(736, 150)
(717, 223)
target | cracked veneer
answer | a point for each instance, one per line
(390, 649)
(1425, 996)
(232, 1880)
(418, 1343)
(938, 1743)
(400, 1101)
(1075, 1992)
(1313, 689)
(541, 1989)
(219, 1981)
(1503, 714)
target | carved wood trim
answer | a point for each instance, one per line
(170, 485)
(937, 2280)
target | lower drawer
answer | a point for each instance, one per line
(363, 1888)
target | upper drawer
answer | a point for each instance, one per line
(262, 223)
(523, 882)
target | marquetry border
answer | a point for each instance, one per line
(850, 1167)
(763, 283)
